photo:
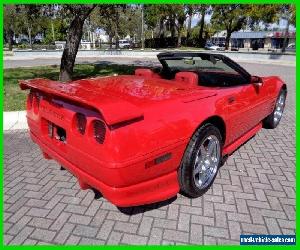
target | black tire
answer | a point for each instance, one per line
(270, 122)
(186, 178)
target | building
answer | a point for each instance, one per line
(255, 39)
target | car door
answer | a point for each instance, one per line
(247, 105)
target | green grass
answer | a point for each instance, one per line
(14, 97)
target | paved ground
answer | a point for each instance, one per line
(254, 192)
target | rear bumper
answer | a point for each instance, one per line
(150, 191)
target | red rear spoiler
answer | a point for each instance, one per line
(114, 110)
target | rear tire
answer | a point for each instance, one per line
(201, 161)
(272, 120)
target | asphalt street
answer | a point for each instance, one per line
(15, 63)
(254, 193)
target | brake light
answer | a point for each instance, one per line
(80, 123)
(99, 131)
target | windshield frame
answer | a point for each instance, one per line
(162, 57)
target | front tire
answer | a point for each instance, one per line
(201, 161)
(272, 120)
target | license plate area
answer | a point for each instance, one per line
(56, 132)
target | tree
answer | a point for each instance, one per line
(288, 12)
(179, 13)
(155, 17)
(233, 18)
(111, 19)
(190, 10)
(262, 14)
(202, 11)
(30, 17)
(9, 24)
(79, 14)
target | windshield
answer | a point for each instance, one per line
(199, 64)
(212, 69)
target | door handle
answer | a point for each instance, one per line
(231, 99)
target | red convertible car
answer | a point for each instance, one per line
(142, 138)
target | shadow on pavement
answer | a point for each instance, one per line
(145, 208)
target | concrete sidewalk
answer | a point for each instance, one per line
(14, 120)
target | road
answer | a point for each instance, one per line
(11, 63)
(254, 193)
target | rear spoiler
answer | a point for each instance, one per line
(114, 110)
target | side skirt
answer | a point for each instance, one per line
(233, 146)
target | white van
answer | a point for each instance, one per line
(124, 44)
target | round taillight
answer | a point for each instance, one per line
(99, 131)
(80, 123)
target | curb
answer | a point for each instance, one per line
(14, 120)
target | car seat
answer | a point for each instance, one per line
(190, 78)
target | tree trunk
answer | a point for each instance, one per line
(29, 36)
(117, 29)
(10, 39)
(117, 40)
(110, 41)
(227, 39)
(286, 34)
(179, 37)
(71, 49)
(53, 32)
(172, 27)
(161, 28)
(189, 28)
(200, 37)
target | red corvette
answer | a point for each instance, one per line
(141, 138)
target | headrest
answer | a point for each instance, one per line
(189, 78)
(144, 72)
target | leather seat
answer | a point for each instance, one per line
(190, 78)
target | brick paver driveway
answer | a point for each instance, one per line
(254, 192)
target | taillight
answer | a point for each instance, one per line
(80, 123)
(99, 131)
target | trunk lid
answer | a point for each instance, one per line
(119, 98)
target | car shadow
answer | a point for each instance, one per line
(144, 208)
(227, 156)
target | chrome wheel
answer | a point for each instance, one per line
(279, 106)
(206, 162)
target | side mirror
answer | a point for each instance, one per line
(256, 81)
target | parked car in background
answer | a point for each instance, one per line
(23, 41)
(211, 46)
(124, 44)
(291, 47)
(234, 48)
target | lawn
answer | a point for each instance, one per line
(14, 98)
